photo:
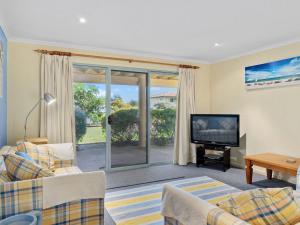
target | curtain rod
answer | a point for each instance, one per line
(43, 51)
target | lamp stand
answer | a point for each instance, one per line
(33, 108)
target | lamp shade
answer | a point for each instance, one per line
(49, 99)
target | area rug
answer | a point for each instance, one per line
(137, 206)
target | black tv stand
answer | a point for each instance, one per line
(223, 155)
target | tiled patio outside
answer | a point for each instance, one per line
(91, 157)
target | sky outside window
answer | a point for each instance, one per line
(130, 92)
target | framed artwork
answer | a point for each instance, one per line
(1, 68)
(278, 73)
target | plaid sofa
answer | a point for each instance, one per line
(180, 207)
(27, 195)
(187, 209)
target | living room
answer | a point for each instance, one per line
(110, 110)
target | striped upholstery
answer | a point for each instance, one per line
(42, 155)
(19, 168)
(142, 205)
(3, 151)
(63, 163)
(86, 212)
(4, 177)
(218, 216)
(20, 197)
(264, 206)
(24, 196)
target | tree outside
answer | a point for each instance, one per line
(90, 118)
(89, 111)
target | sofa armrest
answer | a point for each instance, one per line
(72, 187)
(187, 209)
(184, 207)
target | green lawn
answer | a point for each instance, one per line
(93, 135)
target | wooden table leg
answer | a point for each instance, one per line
(269, 174)
(249, 171)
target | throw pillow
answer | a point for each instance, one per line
(5, 150)
(4, 177)
(19, 168)
(264, 206)
(42, 155)
(24, 155)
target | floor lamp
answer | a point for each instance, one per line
(49, 99)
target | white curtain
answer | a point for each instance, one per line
(57, 119)
(184, 151)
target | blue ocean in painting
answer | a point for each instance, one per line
(278, 72)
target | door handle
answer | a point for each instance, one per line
(109, 120)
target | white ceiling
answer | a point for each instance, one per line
(170, 29)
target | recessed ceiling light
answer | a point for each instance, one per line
(82, 20)
(217, 44)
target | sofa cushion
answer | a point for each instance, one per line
(264, 206)
(5, 150)
(42, 155)
(19, 168)
(24, 155)
(67, 170)
(4, 177)
(63, 163)
(219, 216)
(62, 151)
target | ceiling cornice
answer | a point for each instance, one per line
(258, 50)
(108, 51)
(141, 54)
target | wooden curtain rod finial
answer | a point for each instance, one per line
(43, 51)
(188, 66)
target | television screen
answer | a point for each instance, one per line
(215, 129)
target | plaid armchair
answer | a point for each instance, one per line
(27, 195)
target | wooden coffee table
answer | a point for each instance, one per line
(272, 162)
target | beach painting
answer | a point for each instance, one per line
(278, 73)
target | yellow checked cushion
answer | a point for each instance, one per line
(264, 206)
(42, 155)
(4, 177)
(5, 150)
(19, 168)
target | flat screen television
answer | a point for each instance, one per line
(215, 129)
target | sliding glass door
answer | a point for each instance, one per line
(163, 97)
(124, 117)
(128, 118)
(89, 88)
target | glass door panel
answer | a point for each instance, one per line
(89, 89)
(163, 91)
(128, 118)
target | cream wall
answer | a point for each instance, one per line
(24, 85)
(270, 118)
